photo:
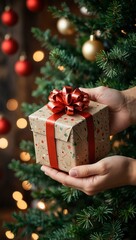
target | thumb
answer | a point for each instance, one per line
(97, 93)
(86, 170)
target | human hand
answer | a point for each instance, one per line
(119, 111)
(110, 172)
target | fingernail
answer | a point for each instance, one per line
(73, 173)
(42, 168)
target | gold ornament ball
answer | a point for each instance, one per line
(65, 27)
(91, 48)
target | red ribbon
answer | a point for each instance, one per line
(68, 100)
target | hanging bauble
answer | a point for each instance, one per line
(65, 27)
(9, 45)
(5, 125)
(9, 17)
(91, 48)
(34, 5)
(23, 66)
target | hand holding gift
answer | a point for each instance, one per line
(70, 130)
(112, 171)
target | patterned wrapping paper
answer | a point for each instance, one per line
(71, 136)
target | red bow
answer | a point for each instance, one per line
(68, 100)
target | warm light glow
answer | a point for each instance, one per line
(84, 11)
(17, 196)
(26, 185)
(123, 32)
(25, 156)
(41, 205)
(12, 104)
(61, 68)
(3, 143)
(21, 123)
(116, 144)
(65, 211)
(98, 33)
(38, 56)
(9, 235)
(34, 236)
(111, 137)
(22, 205)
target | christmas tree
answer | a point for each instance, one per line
(67, 213)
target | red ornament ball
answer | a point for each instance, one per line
(9, 45)
(9, 17)
(5, 125)
(34, 5)
(23, 67)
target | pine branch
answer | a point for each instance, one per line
(116, 63)
(30, 172)
(83, 26)
(47, 40)
(90, 215)
(30, 108)
(34, 220)
(70, 194)
(75, 65)
(128, 212)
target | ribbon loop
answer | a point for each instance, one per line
(68, 100)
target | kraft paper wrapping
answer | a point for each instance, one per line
(71, 136)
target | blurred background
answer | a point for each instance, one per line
(16, 84)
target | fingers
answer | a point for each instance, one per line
(85, 185)
(62, 177)
(98, 168)
(95, 93)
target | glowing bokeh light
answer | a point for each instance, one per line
(12, 104)
(22, 205)
(9, 235)
(17, 195)
(38, 56)
(25, 156)
(61, 68)
(65, 211)
(3, 143)
(26, 185)
(34, 236)
(41, 205)
(21, 123)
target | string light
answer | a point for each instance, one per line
(41, 205)
(123, 32)
(111, 137)
(65, 211)
(12, 104)
(21, 123)
(17, 196)
(25, 156)
(22, 205)
(26, 185)
(34, 236)
(38, 56)
(61, 68)
(3, 143)
(9, 235)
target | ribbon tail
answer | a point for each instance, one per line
(91, 138)
(51, 142)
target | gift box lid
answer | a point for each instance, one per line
(66, 124)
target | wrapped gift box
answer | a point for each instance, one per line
(68, 141)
